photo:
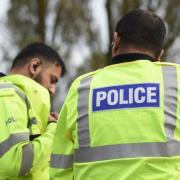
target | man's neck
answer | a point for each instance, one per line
(19, 71)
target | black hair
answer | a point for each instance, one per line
(142, 29)
(39, 50)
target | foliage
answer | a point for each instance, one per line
(56, 22)
(64, 24)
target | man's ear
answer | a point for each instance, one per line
(160, 55)
(115, 43)
(35, 67)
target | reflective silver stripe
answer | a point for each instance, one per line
(18, 91)
(61, 161)
(83, 106)
(5, 85)
(11, 141)
(27, 159)
(170, 100)
(23, 97)
(159, 149)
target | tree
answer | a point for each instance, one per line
(64, 24)
(54, 22)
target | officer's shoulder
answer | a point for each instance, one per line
(26, 84)
(168, 64)
(84, 76)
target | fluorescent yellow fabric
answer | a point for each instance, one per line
(118, 127)
(16, 123)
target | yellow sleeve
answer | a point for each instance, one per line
(18, 155)
(61, 164)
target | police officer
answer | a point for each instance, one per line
(26, 127)
(122, 122)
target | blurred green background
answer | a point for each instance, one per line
(80, 30)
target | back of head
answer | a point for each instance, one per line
(143, 30)
(41, 51)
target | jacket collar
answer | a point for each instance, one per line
(131, 57)
(2, 74)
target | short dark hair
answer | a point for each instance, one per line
(39, 50)
(142, 29)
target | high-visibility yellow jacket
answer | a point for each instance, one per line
(25, 138)
(121, 122)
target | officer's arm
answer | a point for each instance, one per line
(19, 155)
(61, 165)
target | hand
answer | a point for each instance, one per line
(53, 117)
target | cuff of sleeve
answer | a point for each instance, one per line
(51, 127)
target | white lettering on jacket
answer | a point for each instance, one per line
(126, 96)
